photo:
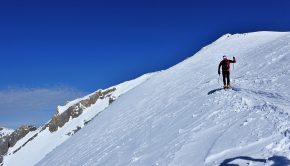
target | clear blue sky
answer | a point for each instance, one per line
(75, 47)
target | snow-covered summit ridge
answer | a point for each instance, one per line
(182, 117)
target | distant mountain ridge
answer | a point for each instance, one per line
(67, 120)
(11, 137)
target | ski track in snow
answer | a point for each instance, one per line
(172, 119)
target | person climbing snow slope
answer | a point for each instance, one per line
(225, 64)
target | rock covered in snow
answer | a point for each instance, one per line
(11, 139)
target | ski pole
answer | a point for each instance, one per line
(233, 73)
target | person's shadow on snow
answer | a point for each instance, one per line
(215, 90)
(227, 162)
(278, 160)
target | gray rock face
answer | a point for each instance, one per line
(1, 128)
(10, 140)
(59, 120)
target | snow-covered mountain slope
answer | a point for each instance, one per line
(5, 131)
(180, 117)
(66, 122)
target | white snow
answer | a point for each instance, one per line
(171, 120)
(5, 131)
(45, 141)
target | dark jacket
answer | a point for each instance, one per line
(225, 64)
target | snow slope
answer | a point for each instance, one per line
(5, 131)
(180, 117)
(35, 145)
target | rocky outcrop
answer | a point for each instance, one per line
(59, 120)
(10, 140)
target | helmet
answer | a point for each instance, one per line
(224, 57)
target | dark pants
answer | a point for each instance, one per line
(226, 77)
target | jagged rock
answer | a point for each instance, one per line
(10, 140)
(59, 120)
(20, 133)
(112, 99)
(3, 147)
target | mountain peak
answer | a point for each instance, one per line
(172, 119)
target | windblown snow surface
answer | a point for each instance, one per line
(180, 117)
